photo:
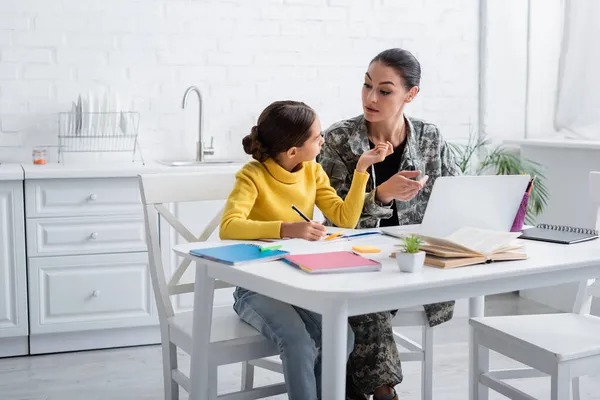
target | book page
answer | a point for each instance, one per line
(484, 241)
(444, 244)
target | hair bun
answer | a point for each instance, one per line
(254, 147)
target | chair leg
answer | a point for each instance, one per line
(247, 376)
(575, 387)
(560, 383)
(481, 364)
(169, 353)
(427, 364)
(213, 381)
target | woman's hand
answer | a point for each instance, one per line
(303, 230)
(373, 156)
(400, 187)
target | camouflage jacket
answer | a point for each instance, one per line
(425, 150)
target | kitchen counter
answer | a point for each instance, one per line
(11, 172)
(559, 143)
(115, 170)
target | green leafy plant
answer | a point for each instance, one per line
(411, 244)
(502, 161)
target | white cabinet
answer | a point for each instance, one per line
(82, 293)
(88, 276)
(13, 282)
(85, 235)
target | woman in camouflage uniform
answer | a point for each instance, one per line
(394, 197)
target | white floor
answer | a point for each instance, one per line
(135, 373)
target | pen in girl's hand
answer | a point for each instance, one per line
(300, 213)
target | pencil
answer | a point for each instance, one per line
(300, 213)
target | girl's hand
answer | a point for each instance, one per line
(373, 156)
(303, 230)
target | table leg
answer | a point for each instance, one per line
(204, 287)
(476, 309)
(335, 336)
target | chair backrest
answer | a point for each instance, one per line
(160, 189)
(590, 289)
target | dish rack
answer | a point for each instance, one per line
(98, 132)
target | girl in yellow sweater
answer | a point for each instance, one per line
(284, 144)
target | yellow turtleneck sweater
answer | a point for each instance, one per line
(263, 195)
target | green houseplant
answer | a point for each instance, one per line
(479, 157)
(411, 258)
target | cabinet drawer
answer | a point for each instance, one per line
(90, 292)
(85, 235)
(70, 197)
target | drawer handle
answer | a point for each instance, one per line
(93, 197)
(96, 293)
(94, 235)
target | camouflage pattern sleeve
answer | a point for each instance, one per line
(340, 178)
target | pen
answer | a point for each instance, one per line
(277, 247)
(300, 213)
(362, 234)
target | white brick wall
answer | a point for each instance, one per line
(242, 54)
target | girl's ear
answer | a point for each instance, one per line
(292, 151)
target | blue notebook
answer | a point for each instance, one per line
(238, 254)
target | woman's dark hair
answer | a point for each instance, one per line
(405, 64)
(281, 126)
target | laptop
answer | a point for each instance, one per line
(480, 201)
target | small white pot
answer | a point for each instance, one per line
(410, 262)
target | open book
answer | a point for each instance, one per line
(468, 246)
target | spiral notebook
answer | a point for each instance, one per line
(559, 234)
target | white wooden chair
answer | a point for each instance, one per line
(423, 352)
(564, 346)
(232, 340)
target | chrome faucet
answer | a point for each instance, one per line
(200, 150)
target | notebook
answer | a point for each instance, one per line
(559, 234)
(236, 254)
(332, 262)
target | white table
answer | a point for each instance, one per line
(338, 296)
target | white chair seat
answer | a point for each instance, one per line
(227, 327)
(410, 316)
(565, 336)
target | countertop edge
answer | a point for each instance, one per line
(59, 171)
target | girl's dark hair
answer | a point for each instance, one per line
(281, 126)
(405, 64)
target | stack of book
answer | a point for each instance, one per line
(469, 246)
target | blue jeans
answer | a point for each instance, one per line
(297, 333)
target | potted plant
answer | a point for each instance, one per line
(478, 157)
(410, 258)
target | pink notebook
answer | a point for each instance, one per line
(332, 262)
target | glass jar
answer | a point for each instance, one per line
(39, 156)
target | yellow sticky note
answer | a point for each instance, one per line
(366, 249)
